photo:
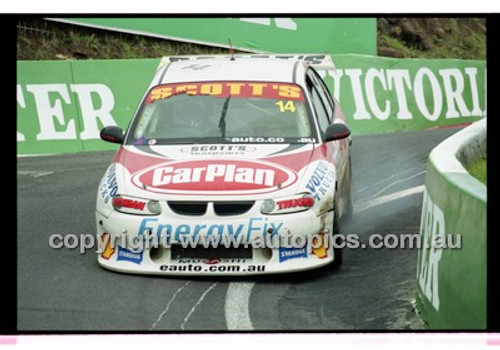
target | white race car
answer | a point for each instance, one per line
(232, 165)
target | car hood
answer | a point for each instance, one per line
(217, 171)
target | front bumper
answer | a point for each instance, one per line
(251, 228)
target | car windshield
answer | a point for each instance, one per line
(219, 112)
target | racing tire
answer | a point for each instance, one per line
(349, 212)
(336, 251)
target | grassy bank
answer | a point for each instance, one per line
(39, 39)
(478, 169)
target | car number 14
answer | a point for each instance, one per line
(289, 106)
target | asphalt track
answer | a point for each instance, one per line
(63, 290)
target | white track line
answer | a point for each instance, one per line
(394, 183)
(237, 306)
(35, 174)
(393, 176)
(168, 305)
(388, 198)
(188, 316)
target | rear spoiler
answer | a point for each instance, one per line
(318, 61)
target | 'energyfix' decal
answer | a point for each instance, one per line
(214, 176)
(223, 89)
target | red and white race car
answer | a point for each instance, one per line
(231, 165)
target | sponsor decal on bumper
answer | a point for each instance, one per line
(127, 255)
(288, 254)
(292, 253)
(108, 250)
(213, 268)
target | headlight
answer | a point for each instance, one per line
(154, 207)
(286, 205)
(267, 206)
(138, 206)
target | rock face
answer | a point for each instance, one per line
(432, 37)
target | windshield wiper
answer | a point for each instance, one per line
(222, 120)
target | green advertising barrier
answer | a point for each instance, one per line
(451, 283)
(278, 35)
(47, 113)
(61, 106)
(388, 94)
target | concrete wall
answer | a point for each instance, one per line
(451, 290)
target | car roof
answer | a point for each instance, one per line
(239, 69)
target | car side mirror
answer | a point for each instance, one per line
(337, 131)
(112, 134)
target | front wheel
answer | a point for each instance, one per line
(336, 251)
(349, 208)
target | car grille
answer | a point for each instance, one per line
(220, 208)
(188, 208)
(200, 252)
(232, 208)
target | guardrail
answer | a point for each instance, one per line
(451, 282)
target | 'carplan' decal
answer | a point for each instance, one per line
(214, 177)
